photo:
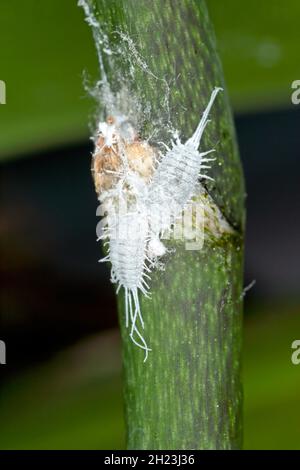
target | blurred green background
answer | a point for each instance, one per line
(61, 388)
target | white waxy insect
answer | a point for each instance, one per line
(141, 206)
(126, 253)
(175, 180)
(122, 165)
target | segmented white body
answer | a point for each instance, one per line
(175, 180)
(134, 235)
(127, 249)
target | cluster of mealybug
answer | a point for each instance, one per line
(143, 191)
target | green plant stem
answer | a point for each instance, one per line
(188, 394)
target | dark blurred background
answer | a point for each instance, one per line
(61, 386)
